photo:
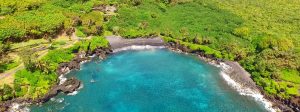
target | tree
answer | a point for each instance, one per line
(29, 59)
(4, 48)
(7, 92)
(242, 32)
(43, 66)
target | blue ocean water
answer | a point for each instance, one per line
(150, 81)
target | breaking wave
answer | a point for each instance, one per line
(248, 92)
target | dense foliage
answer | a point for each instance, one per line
(39, 75)
(36, 19)
(33, 84)
(23, 20)
(263, 36)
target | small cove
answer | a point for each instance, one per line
(147, 81)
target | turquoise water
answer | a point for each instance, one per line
(150, 81)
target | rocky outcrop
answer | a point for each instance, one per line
(285, 105)
(64, 68)
(295, 103)
(69, 86)
(102, 52)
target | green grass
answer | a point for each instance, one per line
(290, 75)
(107, 33)
(10, 62)
(8, 66)
(34, 42)
(80, 34)
(58, 44)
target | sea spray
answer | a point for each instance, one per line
(62, 79)
(76, 92)
(16, 107)
(242, 90)
(58, 100)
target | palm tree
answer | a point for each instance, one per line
(39, 65)
(43, 66)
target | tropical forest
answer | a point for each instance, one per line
(37, 36)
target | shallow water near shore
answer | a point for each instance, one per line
(150, 80)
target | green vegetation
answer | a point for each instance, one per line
(48, 19)
(39, 75)
(33, 84)
(6, 93)
(28, 27)
(290, 76)
(196, 47)
(8, 65)
(261, 35)
(192, 22)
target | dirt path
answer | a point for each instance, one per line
(8, 76)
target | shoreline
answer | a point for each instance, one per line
(242, 79)
(234, 75)
(63, 85)
(232, 72)
(117, 42)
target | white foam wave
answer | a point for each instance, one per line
(62, 79)
(82, 62)
(73, 93)
(16, 107)
(248, 92)
(138, 47)
(81, 86)
(58, 100)
(94, 55)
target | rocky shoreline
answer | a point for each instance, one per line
(241, 76)
(232, 69)
(68, 86)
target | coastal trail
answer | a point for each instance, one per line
(7, 77)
